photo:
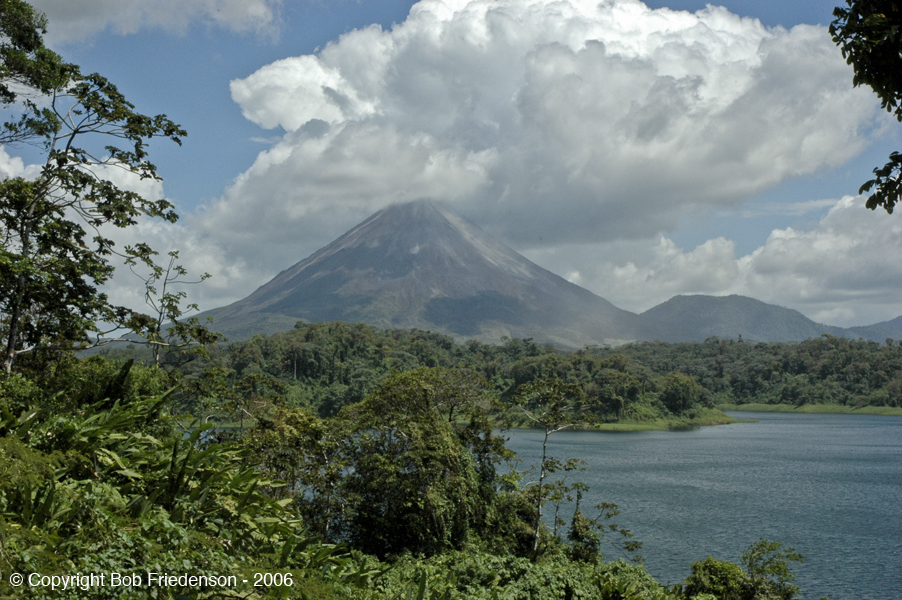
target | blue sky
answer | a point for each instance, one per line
(770, 210)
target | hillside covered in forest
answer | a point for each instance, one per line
(326, 366)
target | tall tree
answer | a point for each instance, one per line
(421, 456)
(55, 226)
(551, 405)
(869, 32)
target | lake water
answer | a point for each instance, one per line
(828, 485)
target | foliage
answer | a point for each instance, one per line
(681, 392)
(402, 462)
(824, 370)
(55, 226)
(324, 366)
(767, 575)
(26, 65)
(767, 566)
(721, 579)
(98, 478)
(480, 576)
(411, 468)
(306, 452)
(414, 468)
(173, 340)
(869, 32)
(552, 406)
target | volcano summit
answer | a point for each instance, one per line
(417, 265)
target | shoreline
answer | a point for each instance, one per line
(710, 418)
(887, 411)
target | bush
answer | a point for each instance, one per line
(100, 479)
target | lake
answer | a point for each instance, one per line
(828, 485)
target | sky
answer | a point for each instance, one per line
(639, 150)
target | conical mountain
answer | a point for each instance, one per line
(418, 265)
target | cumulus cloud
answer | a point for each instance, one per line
(14, 166)
(198, 253)
(843, 270)
(78, 20)
(547, 122)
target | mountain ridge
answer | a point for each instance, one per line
(733, 316)
(419, 265)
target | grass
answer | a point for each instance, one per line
(892, 411)
(707, 418)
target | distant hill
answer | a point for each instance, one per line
(879, 332)
(418, 265)
(732, 316)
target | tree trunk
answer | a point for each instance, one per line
(18, 297)
(539, 503)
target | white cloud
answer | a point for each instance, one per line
(547, 122)
(575, 130)
(197, 253)
(351, 170)
(14, 166)
(636, 275)
(849, 260)
(788, 208)
(844, 270)
(10, 166)
(78, 20)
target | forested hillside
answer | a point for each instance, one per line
(325, 366)
(409, 493)
(823, 371)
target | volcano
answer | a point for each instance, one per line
(418, 265)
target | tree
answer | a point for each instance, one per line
(305, 452)
(173, 341)
(421, 456)
(26, 65)
(614, 390)
(551, 405)
(767, 566)
(680, 392)
(767, 575)
(55, 226)
(719, 578)
(869, 32)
